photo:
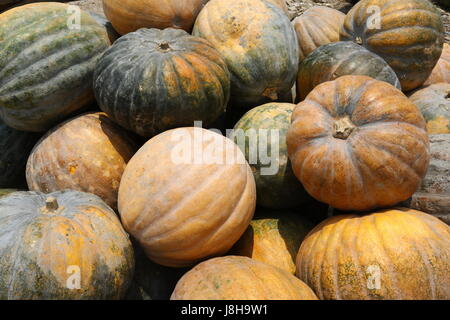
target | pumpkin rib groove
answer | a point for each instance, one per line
(18, 246)
(354, 253)
(432, 229)
(196, 76)
(358, 172)
(307, 158)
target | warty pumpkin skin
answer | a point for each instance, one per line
(153, 80)
(334, 60)
(409, 37)
(316, 27)
(240, 278)
(46, 67)
(406, 250)
(49, 239)
(259, 45)
(441, 72)
(434, 103)
(182, 205)
(357, 143)
(87, 153)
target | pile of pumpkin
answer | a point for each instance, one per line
(111, 214)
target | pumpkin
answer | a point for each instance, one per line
(357, 143)
(112, 33)
(62, 245)
(259, 45)
(408, 34)
(337, 59)
(390, 254)
(153, 80)
(240, 278)
(15, 146)
(46, 64)
(274, 238)
(261, 135)
(280, 4)
(186, 195)
(441, 72)
(87, 153)
(4, 192)
(130, 15)
(316, 27)
(434, 103)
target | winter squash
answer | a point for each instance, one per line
(316, 27)
(259, 45)
(153, 80)
(434, 103)
(276, 184)
(280, 4)
(46, 71)
(130, 15)
(441, 72)
(337, 59)
(186, 195)
(62, 245)
(390, 254)
(240, 278)
(4, 192)
(87, 153)
(357, 143)
(408, 34)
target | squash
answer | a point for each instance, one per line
(441, 72)
(130, 15)
(261, 135)
(4, 192)
(280, 4)
(259, 45)
(46, 66)
(239, 278)
(87, 153)
(357, 143)
(316, 27)
(408, 34)
(62, 245)
(390, 254)
(153, 80)
(186, 195)
(434, 103)
(337, 59)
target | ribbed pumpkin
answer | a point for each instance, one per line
(87, 153)
(357, 143)
(62, 245)
(130, 15)
(259, 45)
(434, 103)
(261, 135)
(46, 64)
(409, 36)
(240, 278)
(334, 60)
(153, 80)
(186, 195)
(391, 254)
(316, 27)
(441, 72)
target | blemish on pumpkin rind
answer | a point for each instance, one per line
(438, 125)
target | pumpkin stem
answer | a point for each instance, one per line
(164, 47)
(270, 93)
(343, 128)
(51, 204)
(358, 40)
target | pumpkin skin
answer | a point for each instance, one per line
(316, 27)
(183, 209)
(280, 4)
(334, 60)
(357, 143)
(46, 71)
(275, 190)
(172, 80)
(410, 38)
(4, 192)
(434, 103)
(259, 45)
(87, 153)
(240, 278)
(441, 72)
(130, 15)
(44, 236)
(409, 248)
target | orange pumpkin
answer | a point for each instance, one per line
(441, 72)
(357, 143)
(390, 254)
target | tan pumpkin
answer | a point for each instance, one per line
(390, 254)
(441, 72)
(240, 278)
(186, 195)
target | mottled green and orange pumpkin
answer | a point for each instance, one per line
(441, 72)
(390, 254)
(46, 63)
(62, 245)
